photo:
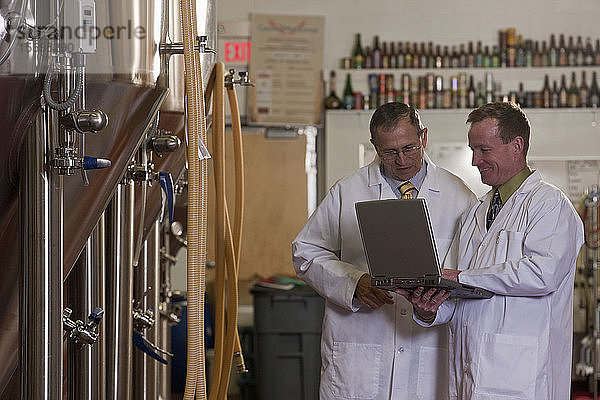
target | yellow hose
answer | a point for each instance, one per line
(218, 142)
(236, 127)
(197, 206)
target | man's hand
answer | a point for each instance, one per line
(450, 274)
(425, 301)
(370, 296)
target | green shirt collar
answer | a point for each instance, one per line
(509, 187)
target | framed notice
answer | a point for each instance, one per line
(286, 64)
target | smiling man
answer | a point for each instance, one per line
(521, 242)
(371, 348)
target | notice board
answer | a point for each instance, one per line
(286, 65)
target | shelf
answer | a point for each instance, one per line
(461, 111)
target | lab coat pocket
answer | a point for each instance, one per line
(432, 376)
(356, 370)
(509, 246)
(507, 367)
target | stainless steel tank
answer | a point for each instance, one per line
(124, 79)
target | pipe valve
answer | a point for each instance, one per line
(164, 142)
(143, 320)
(243, 79)
(85, 121)
(79, 331)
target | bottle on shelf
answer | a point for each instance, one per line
(377, 53)
(553, 52)
(594, 92)
(479, 55)
(393, 56)
(333, 102)
(563, 60)
(554, 99)
(348, 93)
(471, 94)
(528, 53)
(571, 53)
(470, 55)
(597, 52)
(438, 57)
(358, 57)
(537, 58)
(546, 93)
(423, 55)
(385, 56)
(408, 56)
(439, 91)
(416, 56)
(368, 63)
(573, 93)
(545, 57)
(584, 92)
(430, 56)
(579, 52)
(446, 59)
(562, 92)
(588, 55)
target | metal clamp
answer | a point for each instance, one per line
(177, 48)
(143, 320)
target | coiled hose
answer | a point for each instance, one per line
(79, 61)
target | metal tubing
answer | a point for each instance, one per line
(140, 361)
(96, 292)
(42, 253)
(119, 301)
(152, 299)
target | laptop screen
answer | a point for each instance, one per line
(397, 238)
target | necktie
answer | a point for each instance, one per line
(407, 190)
(494, 209)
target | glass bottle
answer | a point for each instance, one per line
(470, 56)
(579, 53)
(438, 57)
(393, 56)
(358, 57)
(546, 93)
(571, 53)
(430, 56)
(385, 57)
(597, 53)
(348, 93)
(562, 92)
(563, 61)
(584, 92)
(588, 55)
(408, 56)
(554, 98)
(544, 56)
(479, 55)
(423, 55)
(400, 56)
(594, 92)
(377, 54)
(573, 93)
(553, 52)
(332, 102)
(471, 94)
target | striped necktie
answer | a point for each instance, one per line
(407, 190)
(494, 209)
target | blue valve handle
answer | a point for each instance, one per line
(166, 183)
(143, 344)
(95, 163)
(96, 315)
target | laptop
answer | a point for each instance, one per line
(400, 248)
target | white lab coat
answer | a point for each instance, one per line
(383, 353)
(518, 344)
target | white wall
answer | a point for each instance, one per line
(441, 21)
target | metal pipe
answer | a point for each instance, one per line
(140, 362)
(96, 292)
(152, 298)
(119, 301)
(41, 199)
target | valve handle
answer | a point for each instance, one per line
(96, 315)
(95, 163)
(144, 345)
(166, 183)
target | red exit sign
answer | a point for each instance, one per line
(237, 52)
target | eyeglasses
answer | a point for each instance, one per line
(392, 154)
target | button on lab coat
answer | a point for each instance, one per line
(383, 353)
(516, 345)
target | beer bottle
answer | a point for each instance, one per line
(471, 94)
(377, 55)
(400, 56)
(479, 56)
(368, 63)
(594, 92)
(579, 53)
(487, 59)
(416, 55)
(348, 93)
(584, 92)
(537, 59)
(528, 53)
(520, 58)
(446, 63)
(571, 53)
(546, 93)
(423, 60)
(562, 92)
(545, 57)
(554, 99)
(470, 56)
(563, 60)
(462, 56)
(439, 91)
(430, 56)
(588, 55)
(358, 56)
(393, 56)
(573, 93)
(408, 56)
(332, 102)
(385, 56)
(438, 57)
(597, 53)
(553, 59)
(495, 62)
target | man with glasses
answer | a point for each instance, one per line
(370, 347)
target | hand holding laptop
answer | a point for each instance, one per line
(371, 296)
(425, 301)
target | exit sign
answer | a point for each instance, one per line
(237, 52)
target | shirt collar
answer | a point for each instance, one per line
(509, 187)
(417, 180)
